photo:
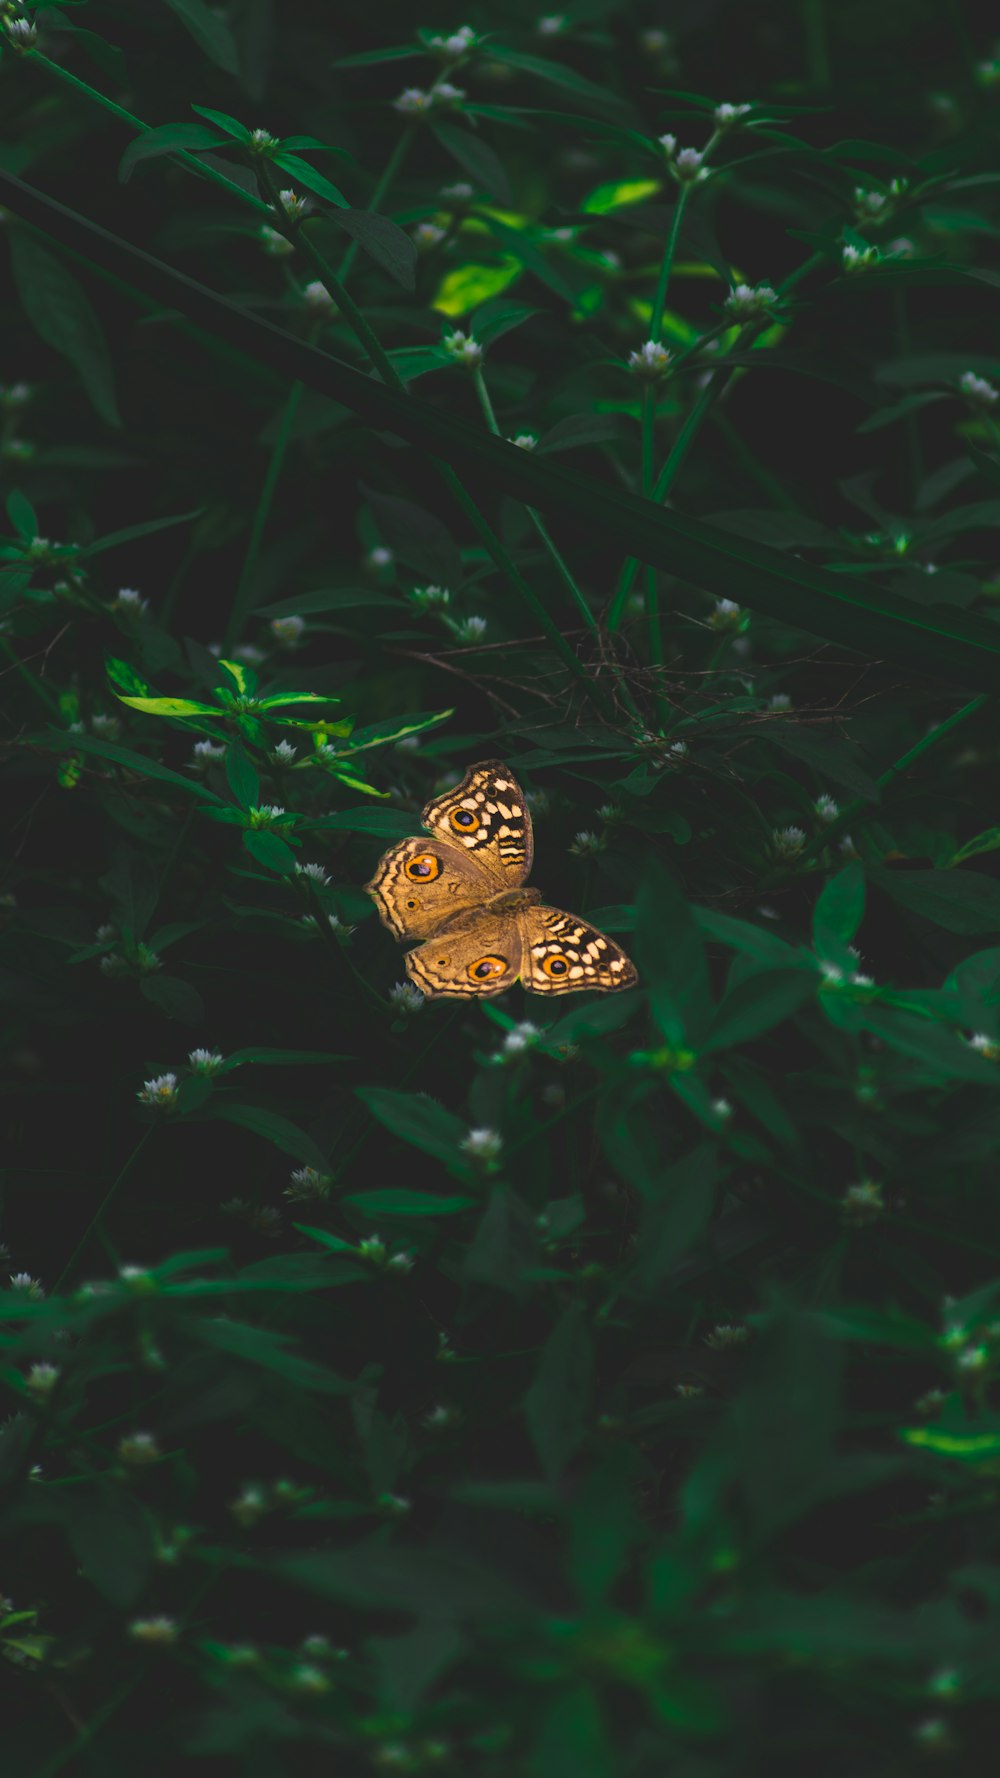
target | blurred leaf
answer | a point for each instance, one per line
(383, 241)
(572, 1742)
(177, 998)
(210, 32)
(398, 1201)
(166, 138)
(756, 1005)
(242, 776)
(61, 314)
(838, 913)
(960, 901)
(476, 158)
(672, 1220)
(557, 1404)
(279, 1130)
(670, 958)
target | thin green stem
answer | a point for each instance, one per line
(30, 679)
(667, 476)
(666, 263)
(247, 588)
(391, 168)
(751, 464)
(816, 42)
(103, 1207)
(484, 400)
(862, 805)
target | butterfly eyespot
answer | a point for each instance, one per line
(411, 903)
(425, 866)
(485, 967)
(465, 820)
(555, 965)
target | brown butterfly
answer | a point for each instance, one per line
(462, 892)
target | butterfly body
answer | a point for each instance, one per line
(462, 892)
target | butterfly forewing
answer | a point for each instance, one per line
(487, 816)
(421, 884)
(563, 955)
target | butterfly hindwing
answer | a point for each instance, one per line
(478, 958)
(563, 955)
(487, 817)
(421, 884)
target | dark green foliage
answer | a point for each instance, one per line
(586, 1387)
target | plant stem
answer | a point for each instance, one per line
(861, 805)
(104, 1205)
(389, 172)
(665, 480)
(32, 680)
(666, 264)
(246, 590)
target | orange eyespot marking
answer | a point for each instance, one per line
(485, 967)
(424, 867)
(464, 820)
(555, 965)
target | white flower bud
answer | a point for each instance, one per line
(463, 348)
(161, 1091)
(977, 391)
(650, 361)
(484, 1144)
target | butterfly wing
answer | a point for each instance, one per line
(477, 957)
(421, 884)
(487, 817)
(562, 954)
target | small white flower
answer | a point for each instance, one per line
(249, 653)
(406, 998)
(483, 1143)
(161, 1630)
(265, 814)
(309, 1679)
(440, 1417)
(553, 24)
(678, 750)
(974, 1358)
(316, 296)
(314, 872)
(855, 259)
(113, 964)
(869, 203)
(722, 1110)
(21, 33)
(402, 1261)
(429, 597)
(930, 1402)
(277, 245)
(107, 727)
(463, 348)
(283, 754)
(847, 847)
(525, 441)
(457, 44)
(262, 139)
(858, 980)
(307, 1183)
(428, 235)
(206, 752)
(29, 1286)
(724, 116)
(825, 808)
(459, 193)
(372, 1248)
(586, 842)
(726, 614)
(901, 247)
(538, 801)
(655, 42)
(15, 394)
(160, 1091)
(726, 1335)
(292, 204)
(42, 1378)
(413, 101)
(446, 94)
(669, 145)
(788, 841)
(749, 299)
(832, 973)
(688, 165)
(863, 1202)
(651, 360)
(396, 1504)
(205, 1061)
(985, 1046)
(138, 1448)
(977, 391)
(520, 1038)
(288, 631)
(128, 599)
(379, 558)
(688, 1391)
(471, 629)
(780, 701)
(250, 1504)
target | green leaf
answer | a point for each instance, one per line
(756, 1005)
(131, 533)
(124, 676)
(166, 138)
(386, 824)
(384, 242)
(557, 1404)
(421, 1121)
(306, 175)
(134, 762)
(270, 850)
(329, 599)
(674, 1219)
(603, 1525)
(170, 706)
(418, 538)
(838, 913)
(476, 158)
(265, 1350)
(465, 287)
(210, 32)
(267, 1057)
(279, 1130)
(241, 774)
(505, 1244)
(22, 515)
(596, 98)
(960, 900)
(572, 1741)
(670, 958)
(177, 998)
(111, 1539)
(398, 1201)
(60, 311)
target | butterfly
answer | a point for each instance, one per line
(462, 892)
